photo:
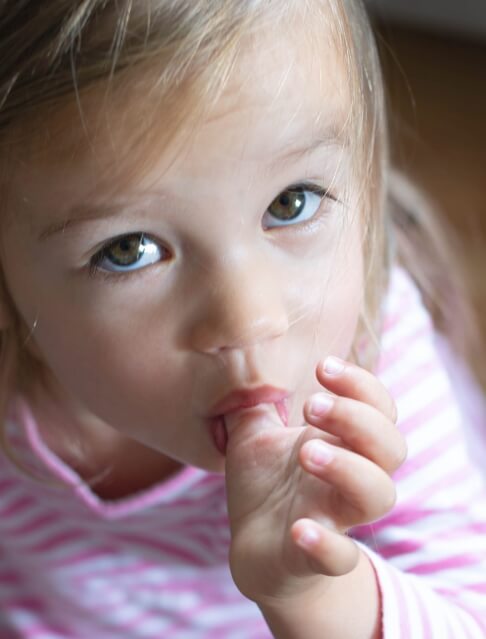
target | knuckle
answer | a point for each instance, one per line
(385, 500)
(400, 453)
(362, 386)
(403, 451)
(393, 410)
(389, 498)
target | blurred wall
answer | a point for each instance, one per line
(436, 81)
(462, 16)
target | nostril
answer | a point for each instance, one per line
(242, 307)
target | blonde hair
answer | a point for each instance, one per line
(55, 52)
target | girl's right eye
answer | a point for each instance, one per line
(128, 253)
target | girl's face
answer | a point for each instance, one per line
(234, 264)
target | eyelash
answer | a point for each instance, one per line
(94, 270)
(119, 276)
(312, 187)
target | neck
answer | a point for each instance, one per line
(114, 465)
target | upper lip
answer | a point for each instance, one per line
(248, 397)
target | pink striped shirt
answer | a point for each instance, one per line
(154, 565)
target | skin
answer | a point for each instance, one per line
(136, 363)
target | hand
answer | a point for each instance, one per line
(293, 493)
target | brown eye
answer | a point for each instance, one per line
(294, 205)
(128, 253)
(288, 205)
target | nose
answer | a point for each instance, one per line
(241, 304)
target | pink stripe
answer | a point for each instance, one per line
(430, 454)
(55, 542)
(34, 525)
(166, 490)
(10, 577)
(400, 548)
(438, 487)
(22, 503)
(41, 630)
(256, 629)
(163, 546)
(23, 603)
(82, 558)
(460, 561)
(407, 513)
(476, 587)
(5, 484)
(463, 532)
(424, 617)
(130, 570)
(451, 598)
(406, 546)
(403, 612)
(251, 628)
(413, 379)
(403, 292)
(459, 592)
(194, 501)
(394, 354)
(404, 300)
(478, 617)
(397, 518)
(430, 411)
(137, 621)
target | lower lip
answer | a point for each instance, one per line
(220, 435)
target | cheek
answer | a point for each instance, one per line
(112, 358)
(331, 298)
(331, 303)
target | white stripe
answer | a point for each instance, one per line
(420, 396)
(414, 357)
(419, 482)
(400, 331)
(432, 433)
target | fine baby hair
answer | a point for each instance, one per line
(214, 352)
(177, 56)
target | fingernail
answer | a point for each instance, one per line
(333, 365)
(320, 453)
(320, 405)
(308, 538)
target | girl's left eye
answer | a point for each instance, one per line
(128, 253)
(295, 205)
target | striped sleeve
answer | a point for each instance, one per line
(429, 552)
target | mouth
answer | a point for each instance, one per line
(262, 397)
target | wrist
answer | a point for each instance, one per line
(346, 607)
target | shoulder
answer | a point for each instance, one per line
(409, 364)
(436, 397)
(407, 333)
(403, 311)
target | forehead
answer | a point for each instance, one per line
(288, 88)
(288, 78)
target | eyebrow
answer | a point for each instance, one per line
(89, 211)
(292, 153)
(79, 214)
(295, 150)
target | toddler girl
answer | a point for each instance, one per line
(200, 317)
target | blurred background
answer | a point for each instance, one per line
(434, 55)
